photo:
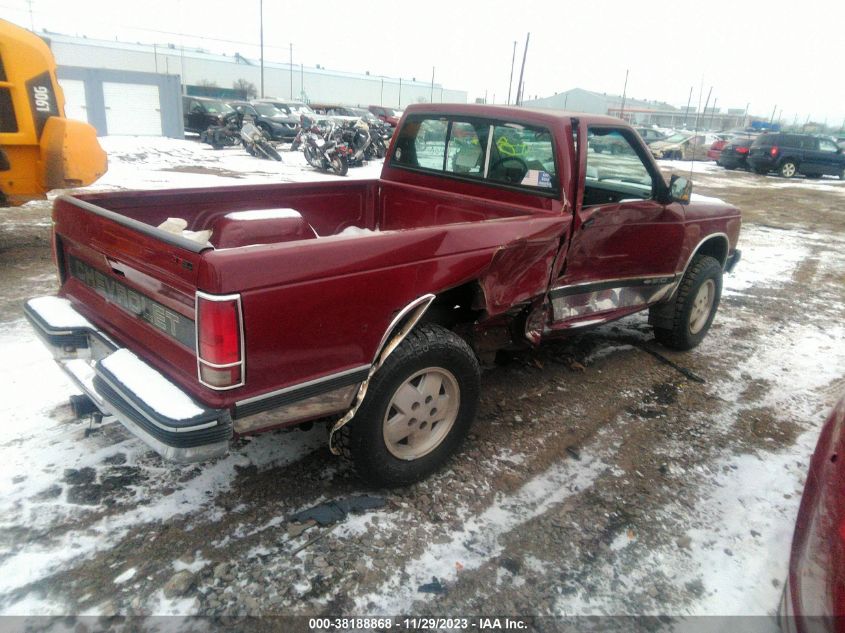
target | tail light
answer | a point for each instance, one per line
(741, 150)
(220, 341)
(774, 151)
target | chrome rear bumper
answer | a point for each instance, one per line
(79, 347)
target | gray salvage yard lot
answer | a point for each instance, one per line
(598, 478)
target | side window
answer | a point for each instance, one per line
(196, 106)
(522, 155)
(826, 145)
(465, 152)
(421, 143)
(614, 170)
(498, 152)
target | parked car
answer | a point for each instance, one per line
(715, 149)
(734, 155)
(201, 112)
(294, 110)
(333, 109)
(683, 146)
(456, 251)
(722, 141)
(275, 124)
(650, 135)
(814, 592)
(390, 116)
(792, 154)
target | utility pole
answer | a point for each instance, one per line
(686, 112)
(381, 95)
(291, 70)
(522, 72)
(745, 116)
(400, 93)
(713, 113)
(31, 20)
(624, 93)
(261, 38)
(302, 81)
(772, 118)
(510, 81)
(431, 96)
(182, 68)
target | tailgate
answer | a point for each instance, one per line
(133, 281)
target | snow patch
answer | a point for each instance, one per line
(59, 313)
(127, 575)
(478, 540)
(150, 386)
(264, 214)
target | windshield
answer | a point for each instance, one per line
(678, 137)
(265, 109)
(301, 108)
(218, 107)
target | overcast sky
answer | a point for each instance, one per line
(769, 54)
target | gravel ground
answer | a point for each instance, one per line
(604, 474)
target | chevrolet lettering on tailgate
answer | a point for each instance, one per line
(179, 327)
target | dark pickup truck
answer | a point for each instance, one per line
(371, 302)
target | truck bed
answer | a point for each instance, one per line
(316, 300)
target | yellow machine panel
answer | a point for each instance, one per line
(40, 149)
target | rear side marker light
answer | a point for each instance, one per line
(220, 341)
(774, 151)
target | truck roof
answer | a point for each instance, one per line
(535, 115)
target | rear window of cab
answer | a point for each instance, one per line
(502, 153)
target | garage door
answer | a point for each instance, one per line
(75, 107)
(132, 109)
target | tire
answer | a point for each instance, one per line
(694, 306)
(788, 168)
(339, 165)
(430, 355)
(269, 150)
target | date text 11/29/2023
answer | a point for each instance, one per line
(420, 623)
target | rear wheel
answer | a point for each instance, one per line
(418, 409)
(339, 165)
(694, 305)
(788, 169)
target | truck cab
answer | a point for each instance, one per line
(373, 302)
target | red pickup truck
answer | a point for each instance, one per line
(372, 301)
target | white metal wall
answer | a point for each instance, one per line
(316, 85)
(132, 109)
(75, 106)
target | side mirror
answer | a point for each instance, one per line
(680, 189)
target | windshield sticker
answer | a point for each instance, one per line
(537, 178)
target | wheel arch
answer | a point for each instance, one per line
(716, 245)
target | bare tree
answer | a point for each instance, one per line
(246, 87)
(206, 83)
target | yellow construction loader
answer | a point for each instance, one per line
(40, 149)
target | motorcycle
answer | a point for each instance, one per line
(226, 134)
(324, 150)
(255, 143)
(358, 138)
(380, 136)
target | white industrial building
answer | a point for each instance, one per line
(113, 80)
(639, 111)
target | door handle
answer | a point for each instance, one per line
(588, 222)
